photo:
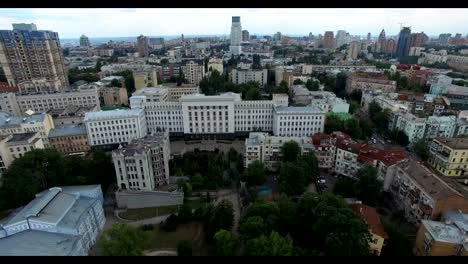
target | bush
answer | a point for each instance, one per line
(184, 248)
(170, 224)
(148, 227)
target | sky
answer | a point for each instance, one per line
(99, 22)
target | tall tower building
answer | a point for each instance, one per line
(32, 59)
(390, 46)
(245, 35)
(328, 40)
(236, 36)
(143, 46)
(369, 36)
(444, 39)
(84, 41)
(418, 39)
(403, 44)
(382, 41)
(354, 49)
(341, 38)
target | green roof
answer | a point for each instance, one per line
(342, 116)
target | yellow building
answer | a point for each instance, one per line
(378, 235)
(449, 156)
(144, 79)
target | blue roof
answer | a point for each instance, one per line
(73, 130)
(37, 243)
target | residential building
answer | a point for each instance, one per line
(284, 73)
(447, 237)
(145, 78)
(144, 163)
(113, 96)
(267, 149)
(84, 41)
(71, 139)
(324, 150)
(36, 122)
(413, 126)
(324, 100)
(403, 44)
(33, 60)
(382, 42)
(70, 115)
(328, 40)
(215, 64)
(369, 82)
(449, 156)
(341, 38)
(193, 72)
(421, 194)
(240, 76)
(354, 50)
(390, 47)
(245, 35)
(418, 39)
(63, 221)
(115, 127)
(13, 146)
(370, 216)
(236, 36)
(143, 46)
(165, 72)
(423, 103)
(444, 39)
(440, 126)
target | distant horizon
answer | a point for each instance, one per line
(70, 23)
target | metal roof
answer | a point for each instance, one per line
(73, 130)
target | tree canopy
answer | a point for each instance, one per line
(226, 243)
(272, 245)
(290, 151)
(122, 240)
(254, 174)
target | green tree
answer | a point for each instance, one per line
(346, 187)
(98, 65)
(266, 210)
(184, 248)
(368, 186)
(309, 162)
(184, 214)
(197, 182)
(421, 149)
(292, 179)
(312, 85)
(290, 151)
(221, 218)
(352, 128)
(282, 88)
(398, 243)
(253, 94)
(287, 214)
(115, 83)
(251, 227)
(233, 154)
(399, 136)
(254, 174)
(256, 62)
(333, 123)
(297, 82)
(226, 243)
(272, 245)
(122, 240)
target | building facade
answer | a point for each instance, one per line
(193, 72)
(143, 46)
(449, 156)
(236, 36)
(144, 163)
(240, 76)
(71, 139)
(33, 60)
(113, 96)
(37, 122)
(369, 82)
(115, 127)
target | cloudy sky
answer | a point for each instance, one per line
(71, 22)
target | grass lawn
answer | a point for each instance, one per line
(193, 232)
(144, 213)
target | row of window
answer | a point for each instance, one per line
(314, 117)
(208, 107)
(121, 127)
(112, 122)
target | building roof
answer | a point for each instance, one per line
(371, 217)
(454, 143)
(66, 131)
(141, 145)
(443, 232)
(112, 114)
(21, 137)
(298, 110)
(6, 119)
(426, 179)
(37, 243)
(456, 218)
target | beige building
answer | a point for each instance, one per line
(145, 78)
(215, 64)
(449, 156)
(113, 96)
(367, 82)
(33, 60)
(70, 115)
(193, 72)
(240, 76)
(16, 145)
(37, 122)
(143, 46)
(69, 139)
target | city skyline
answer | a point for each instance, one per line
(95, 23)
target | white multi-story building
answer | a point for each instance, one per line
(267, 149)
(18, 104)
(236, 36)
(298, 121)
(215, 64)
(37, 122)
(239, 76)
(322, 99)
(64, 221)
(440, 126)
(193, 72)
(144, 163)
(115, 127)
(413, 126)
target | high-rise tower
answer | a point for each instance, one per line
(236, 36)
(84, 41)
(403, 44)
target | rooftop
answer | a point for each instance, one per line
(112, 114)
(37, 243)
(6, 119)
(427, 180)
(21, 137)
(454, 143)
(139, 146)
(65, 131)
(443, 232)
(298, 109)
(371, 217)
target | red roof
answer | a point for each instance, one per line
(5, 88)
(371, 217)
(405, 67)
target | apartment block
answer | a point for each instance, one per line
(267, 149)
(413, 126)
(113, 96)
(37, 122)
(367, 82)
(144, 163)
(240, 76)
(449, 156)
(298, 121)
(71, 139)
(145, 78)
(193, 72)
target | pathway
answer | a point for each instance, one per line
(233, 197)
